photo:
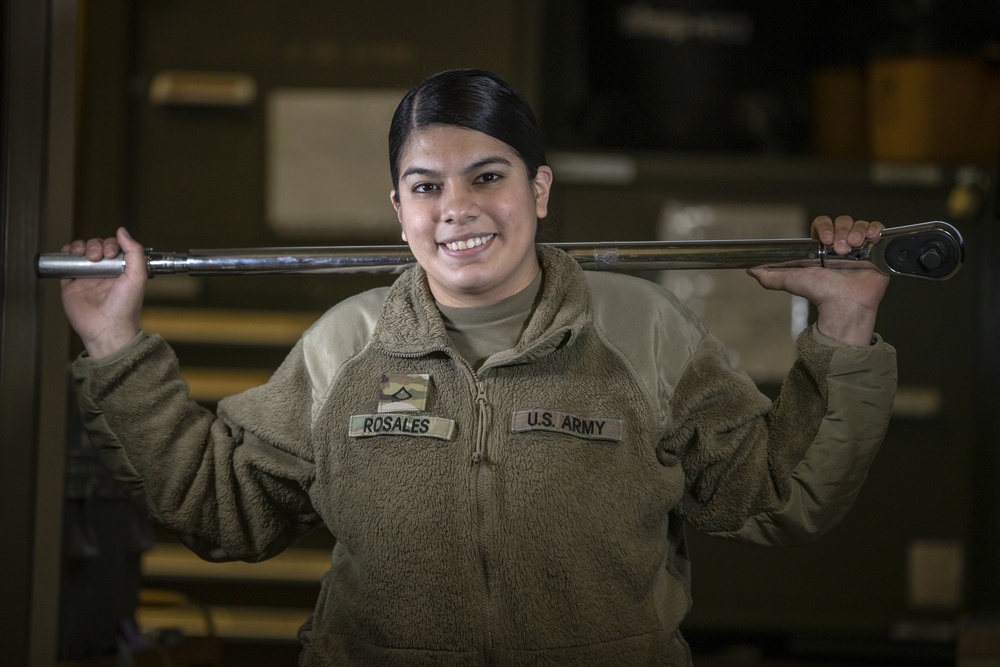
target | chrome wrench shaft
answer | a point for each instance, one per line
(928, 250)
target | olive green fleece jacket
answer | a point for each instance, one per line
(528, 513)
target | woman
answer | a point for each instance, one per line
(507, 449)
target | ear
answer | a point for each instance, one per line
(395, 204)
(542, 185)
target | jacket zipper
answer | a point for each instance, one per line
(478, 460)
(482, 410)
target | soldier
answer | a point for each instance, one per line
(507, 449)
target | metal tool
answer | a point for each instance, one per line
(928, 250)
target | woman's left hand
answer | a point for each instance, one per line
(847, 299)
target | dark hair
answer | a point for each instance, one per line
(472, 98)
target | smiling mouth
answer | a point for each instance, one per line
(468, 244)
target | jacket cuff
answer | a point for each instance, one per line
(823, 339)
(86, 360)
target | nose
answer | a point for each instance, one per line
(459, 204)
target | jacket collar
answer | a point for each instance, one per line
(410, 324)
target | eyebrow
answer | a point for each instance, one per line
(491, 159)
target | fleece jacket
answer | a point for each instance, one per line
(530, 512)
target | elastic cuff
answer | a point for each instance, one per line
(833, 342)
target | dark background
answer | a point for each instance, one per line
(724, 114)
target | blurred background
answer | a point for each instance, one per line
(255, 123)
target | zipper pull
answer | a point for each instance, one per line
(483, 423)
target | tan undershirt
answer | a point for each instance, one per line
(479, 332)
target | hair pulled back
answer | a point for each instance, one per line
(475, 99)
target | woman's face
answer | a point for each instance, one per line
(469, 212)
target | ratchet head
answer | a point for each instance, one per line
(929, 250)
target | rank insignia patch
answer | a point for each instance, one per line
(404, 393)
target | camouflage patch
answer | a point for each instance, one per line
(402, 392)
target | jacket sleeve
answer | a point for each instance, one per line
(782, 472)
(233, 485)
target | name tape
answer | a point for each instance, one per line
(421, 426)
(588, 428)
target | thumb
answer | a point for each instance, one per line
(135, 254)
(767, 278)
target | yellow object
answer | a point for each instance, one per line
(934, 108)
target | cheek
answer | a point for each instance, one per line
(524, 216)
(413, 229)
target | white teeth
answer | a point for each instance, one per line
(468, 243)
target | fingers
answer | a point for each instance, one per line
(822, 229)
(844, 233)
(874, 231)
(94, 249)
(77, 247)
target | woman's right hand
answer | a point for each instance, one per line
(105, 312)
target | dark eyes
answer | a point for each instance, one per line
(489, 177)
(427, 187)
